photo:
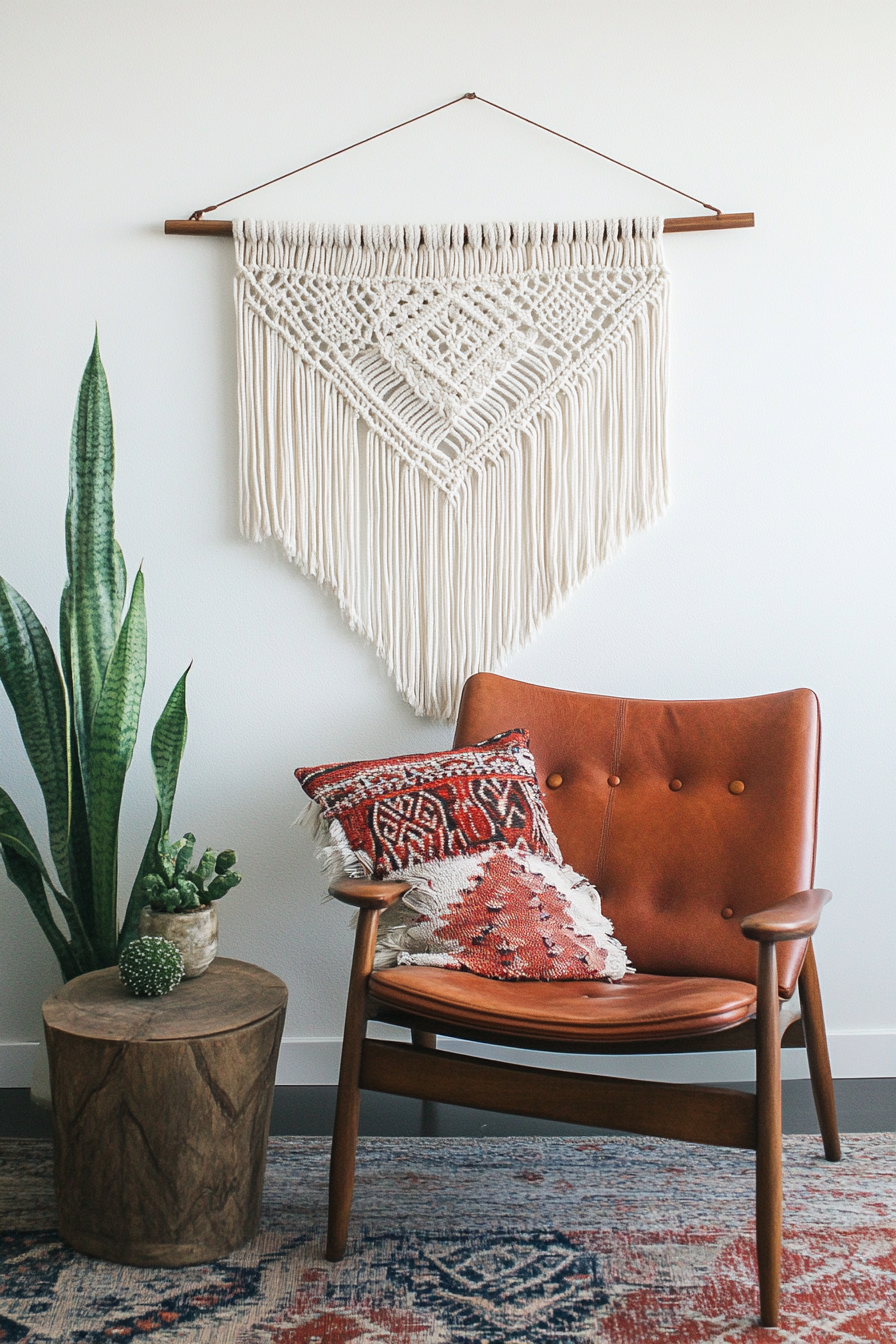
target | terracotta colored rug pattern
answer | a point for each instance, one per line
(481, 1241)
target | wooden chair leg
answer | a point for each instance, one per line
(424, 1040)
(348, 1098)
(769, 1194)
(342, 1167)
(819, 1060)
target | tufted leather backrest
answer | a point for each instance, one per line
(678, 850)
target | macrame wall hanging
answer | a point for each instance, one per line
(450, 426)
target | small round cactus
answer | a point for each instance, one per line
(150, 966)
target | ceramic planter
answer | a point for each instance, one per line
(194, 932)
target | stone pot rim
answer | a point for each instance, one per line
(193, 910)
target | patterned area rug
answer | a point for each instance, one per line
(481, 1241)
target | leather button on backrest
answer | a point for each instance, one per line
(727, 912)
(675, 785)
(613, 781)
(736, 786)
(554, 781)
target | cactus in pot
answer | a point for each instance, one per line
(179, 904)
(174, 886)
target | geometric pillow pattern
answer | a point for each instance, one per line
(502, 913)
(433, 805)
(468, 829)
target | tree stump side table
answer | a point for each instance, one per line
(161, 1110)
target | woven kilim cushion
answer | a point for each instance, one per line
(468, 829)
(391, 813)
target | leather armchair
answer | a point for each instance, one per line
(696, 821)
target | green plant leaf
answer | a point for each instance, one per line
(226, 859)
(184, 854)
(121, 580)
(80, 866)
(33, 682)
(28, 880)
(26, 869)
(151, 885)
(167, 899)
(95, 573)
(222, 884)
(113, 733)
(188, 892)
(169, 737)
(205, 868)
(15, 833)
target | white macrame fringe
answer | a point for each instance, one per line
(448, 554)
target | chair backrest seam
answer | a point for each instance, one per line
(617, 758)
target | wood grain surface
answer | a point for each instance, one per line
(231, 994)
(161, 1116)
(696, 1113)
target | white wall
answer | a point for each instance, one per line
(774, 566)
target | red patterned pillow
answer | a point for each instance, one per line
(467, 827)
(503, 913)
(385, 815)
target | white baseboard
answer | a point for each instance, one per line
(17, 1063)
(314, 1061)
(863, 1054)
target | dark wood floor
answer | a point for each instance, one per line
(864, 1105)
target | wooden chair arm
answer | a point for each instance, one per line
(797, 917)
(366, 894)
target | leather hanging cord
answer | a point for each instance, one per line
(578, 143)
(198, 214)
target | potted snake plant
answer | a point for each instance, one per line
(180, 907)
(78, 715)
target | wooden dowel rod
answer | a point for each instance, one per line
(201, 228)
(695, 223)
(223, 228)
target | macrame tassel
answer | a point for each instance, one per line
(451, 506)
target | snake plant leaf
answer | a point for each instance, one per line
(33, 682)
(113, 733)
(121, 581)
(80, 866)
(14, 832)
(28, 880)
(65, 637)
(94, 572)
(25, 867)
(169, 737)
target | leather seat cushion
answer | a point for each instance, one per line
(638, 1008)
